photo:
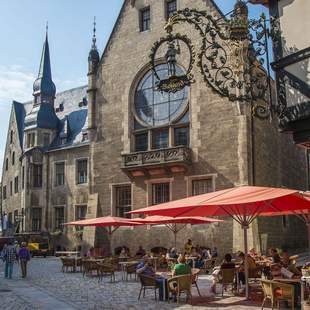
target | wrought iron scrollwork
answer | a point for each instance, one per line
(231, 56)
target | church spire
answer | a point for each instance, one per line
(93, 56)
(44, 89)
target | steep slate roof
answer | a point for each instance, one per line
(70, 107)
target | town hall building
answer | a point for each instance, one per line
(120, 144)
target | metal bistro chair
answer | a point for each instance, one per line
(268, 292)
(180, 284)
(67, 263)
(108, 269)
(148, 283)
(283, 292)
(195, 274)
(131, 270)
(227, 277)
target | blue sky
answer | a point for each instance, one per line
(22, 33)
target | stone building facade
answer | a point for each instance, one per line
(146, 147)
(141, 156)
(46, 160)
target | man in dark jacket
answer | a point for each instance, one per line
(24, 257)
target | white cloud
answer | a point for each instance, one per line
(15, 84)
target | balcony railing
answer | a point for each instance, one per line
(180, 155)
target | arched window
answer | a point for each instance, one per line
(13, 158)
(7, 164)
(11, 136)
(161, 120)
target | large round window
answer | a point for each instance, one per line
(155, 108)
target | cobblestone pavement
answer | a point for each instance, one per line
(48, 288)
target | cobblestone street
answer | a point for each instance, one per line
(48, 288)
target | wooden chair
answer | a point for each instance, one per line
(227, 277)
(89, 266)
(148, 283)
(195, 274)
(283, 292)
(131, 270)
(180, 284)
(106, 269)
(268, 292)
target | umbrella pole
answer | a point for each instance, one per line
(246, 267)
(308, 225)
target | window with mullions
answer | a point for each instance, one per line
(171, 7)
(155, 108)
(59, 217)
(160, 139)
(36, 218)
(123, 200)
(37, 175)
(82, 171)
(181, 136)
(145, 19)
(160, 193)
(141, 141)
(202, 186)
(59, 174)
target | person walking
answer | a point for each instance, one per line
(24, 257)
(9, 257)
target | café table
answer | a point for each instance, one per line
(124, 265)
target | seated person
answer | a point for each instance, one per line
(124, 253)
(181, 268)
(275, 257)
(172, 254)
(188, 246)
(145, 268)
(140, 252)
(252, 268)
(290, 265)
(194, 252)
(253, 253)
(214, 253)
(200, 262)
(91, 252)
(206, 253)
(226, 264)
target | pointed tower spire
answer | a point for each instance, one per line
(44, 89)
(94, 34)
(93, 57)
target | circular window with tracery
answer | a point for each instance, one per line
(156, 108)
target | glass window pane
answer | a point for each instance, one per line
(160, 139)
(202, 186)
(181, 136)
(141, 142)
(123, 201)
(160, 193)
(157, 108)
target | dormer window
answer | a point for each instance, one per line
(63, 141)
(84, 136)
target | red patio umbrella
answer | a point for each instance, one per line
(171, 222)
(107, 221)
(243, 204)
